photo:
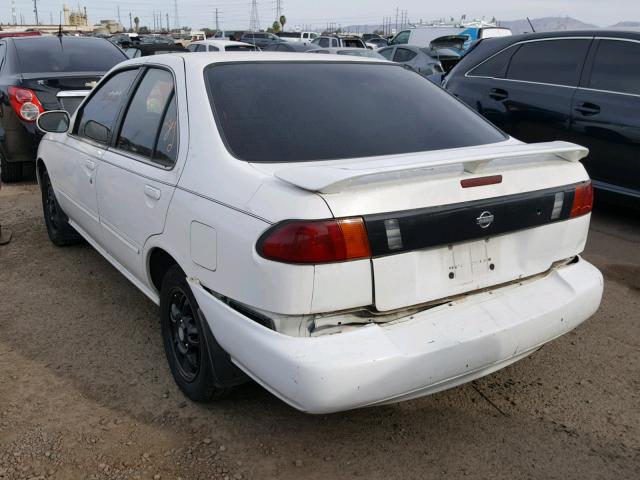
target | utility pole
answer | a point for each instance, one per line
(168, 28)
(176, 21)
(130, 22)
(397, 12)
(217, 21)
(254, 21)
(119, 20)
(278, 10)
(13, 12)
(35, 10)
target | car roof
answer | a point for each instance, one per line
(201, 60)
(630, 33)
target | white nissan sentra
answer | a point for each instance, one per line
(340, 230)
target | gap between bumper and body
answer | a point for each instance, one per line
(428, 352)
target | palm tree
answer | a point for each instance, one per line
(137, 22)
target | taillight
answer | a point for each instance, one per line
(316, 241)
(25, 103)
(582, 200)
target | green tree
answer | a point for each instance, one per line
(136, 21)
(283, 21)
(275, 28)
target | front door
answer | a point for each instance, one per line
(138, 172)
(75, 175)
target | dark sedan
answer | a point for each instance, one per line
(33, 70)
(147, 49)
(581, 86)
(260, 39)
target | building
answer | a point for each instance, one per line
(76, 18)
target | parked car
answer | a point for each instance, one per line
(418, 58)
(328, 41)
(579, 86)
(298, 37)
(260, 39)
(375, 43)
(288, 47)
(423, 36)
(354, 52)
(147, 49)
(338, 265)
(33, 70)
(221, 46)
(370, 36)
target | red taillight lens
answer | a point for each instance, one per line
(312, 242)
(582, 200)
(25, 103)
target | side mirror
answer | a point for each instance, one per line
(53, 121)
(96, 131)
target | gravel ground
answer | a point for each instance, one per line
(85, 391)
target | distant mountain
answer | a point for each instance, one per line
(546, 24)
(626, 25)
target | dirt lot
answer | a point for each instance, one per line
(85, 391)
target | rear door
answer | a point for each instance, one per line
(139, 172)
(527, 89)
(605, 115)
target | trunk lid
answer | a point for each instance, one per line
(47, 85)
(432, 238)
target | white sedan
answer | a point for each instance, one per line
(217, 45)
(286, 237)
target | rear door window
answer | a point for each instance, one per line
(3, 51)
(616, 67)
(496, 66)
(337, 124)
(386, 53)
(403, 55)
(334, 42)
(98, 116)
(145, 117)
(557, 62)
(324, 42)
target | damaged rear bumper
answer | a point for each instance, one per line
(430, 351)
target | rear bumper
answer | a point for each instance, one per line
(429, 352)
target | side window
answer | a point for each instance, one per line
(305, 35)
(213, 49)
(313, 35)
(151, 119)
(334, 42)
(192, 47)
(404, 55)
(495, 67)
(557, 62)
(3, 51)
(324, 43)
(616, 67)
(98, 116)
(386, 53)
(201, 48)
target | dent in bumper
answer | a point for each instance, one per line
(433, 350)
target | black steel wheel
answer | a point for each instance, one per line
(57, 223)
(192, 352)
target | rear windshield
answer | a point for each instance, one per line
(296, 112)
(53, 54)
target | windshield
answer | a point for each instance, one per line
(267, 112)
(67, 54)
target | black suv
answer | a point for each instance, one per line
(32, 72)
(581, 86)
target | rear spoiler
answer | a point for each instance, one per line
(338, 177)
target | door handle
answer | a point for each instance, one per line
(91, 165)
(152, 192)
(498, 94)
(587, 109)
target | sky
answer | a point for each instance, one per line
(317, 13)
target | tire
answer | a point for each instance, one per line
(60, 232)
(11, 171)
(186, 344)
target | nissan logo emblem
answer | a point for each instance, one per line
(485, 219)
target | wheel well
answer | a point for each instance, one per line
(40, 169)
(159, 262)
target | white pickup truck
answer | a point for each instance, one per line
(302, 37)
